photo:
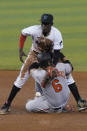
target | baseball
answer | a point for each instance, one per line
(38, 94)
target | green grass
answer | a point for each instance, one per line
(70, 17)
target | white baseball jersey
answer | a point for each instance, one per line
(36, 31)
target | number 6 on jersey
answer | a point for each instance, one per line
(57, 87)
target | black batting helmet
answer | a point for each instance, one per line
(44, 59)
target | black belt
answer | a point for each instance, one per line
(57, 108)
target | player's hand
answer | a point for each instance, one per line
(21, 54)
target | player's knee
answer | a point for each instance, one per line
(28, 106)
(70, 79)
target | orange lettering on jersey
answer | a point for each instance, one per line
(57, 87)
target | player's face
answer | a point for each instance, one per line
(45, 28)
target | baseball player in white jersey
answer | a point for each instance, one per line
(35, 32)
(47, 31)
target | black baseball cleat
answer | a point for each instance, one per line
(82, 105)
(5, 109)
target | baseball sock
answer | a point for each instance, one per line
(73, 88)
(13, 93)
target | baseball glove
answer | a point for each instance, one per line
(44, 43)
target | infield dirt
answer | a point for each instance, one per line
(20, 120)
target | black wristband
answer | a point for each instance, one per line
(67, 61)
(56, 56)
